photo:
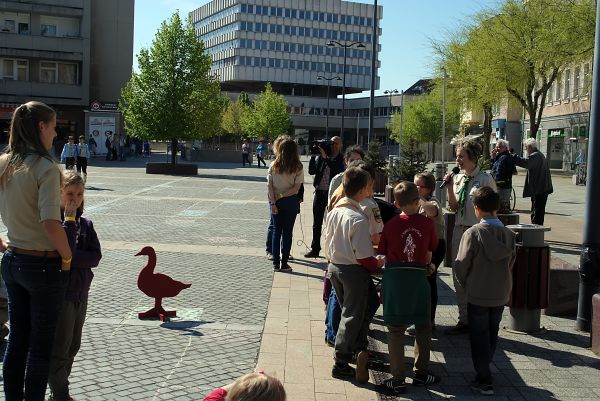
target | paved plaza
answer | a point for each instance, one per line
(237, 316)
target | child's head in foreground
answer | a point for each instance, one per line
(486, 202)
(357, 183)
(406, 196)
(256, 387)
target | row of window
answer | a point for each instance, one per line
(221, 31)
(51, 72)
(49, 25)
(300, 48)
(305, 31)
(218, 16)
(306, 15)
(322, 111)
(561, 88)
(291, 65)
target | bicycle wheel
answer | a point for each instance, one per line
(513, 200)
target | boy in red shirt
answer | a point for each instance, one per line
(407, 242)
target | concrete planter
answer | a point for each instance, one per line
(171, 169)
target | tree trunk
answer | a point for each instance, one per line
(173, 150)
(487, 130)
(533, 126)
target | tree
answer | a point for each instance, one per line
(373, 157)
(233, 118)
(268, 116)
(413, 161)
(525, 45)
(422, 118)
(174, 95)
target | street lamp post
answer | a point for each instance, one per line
(328, 79)
(392, 92)
(345, 46)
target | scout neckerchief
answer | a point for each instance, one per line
(462, 197)
(346, 202)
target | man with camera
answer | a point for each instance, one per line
(326, 162)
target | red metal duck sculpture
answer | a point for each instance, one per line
(157, 286)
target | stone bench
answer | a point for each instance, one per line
(596, 324)
(563, 289)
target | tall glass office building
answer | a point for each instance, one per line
(285, 42)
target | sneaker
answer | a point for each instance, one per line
(362, 370)
(286, 268)
(343, 371)
(425, 380)
(396, 386)
(411, 330)
(269, 256)
(460, 328)
(482, 388)
(311, 254)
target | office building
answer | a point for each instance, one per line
(74, 55)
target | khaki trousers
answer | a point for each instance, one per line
(461, 296)
(396, 349)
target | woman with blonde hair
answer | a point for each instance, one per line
(284, 178)
(37, 254)
(257, 386)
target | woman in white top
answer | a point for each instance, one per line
(284, 178)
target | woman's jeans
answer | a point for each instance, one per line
(270, 230)
(36, 290)
(287, 209)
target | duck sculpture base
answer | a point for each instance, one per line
(158, 312)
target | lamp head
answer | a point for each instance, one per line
(330, 44)
(360, 46)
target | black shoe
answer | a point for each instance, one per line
(286, 268)
(425, 380)
(290, 257)
(343, 371)
(276, 268)
(311, 254)
(396, 386)
(460, 328)
(482, 388)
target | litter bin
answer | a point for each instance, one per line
(530, 275)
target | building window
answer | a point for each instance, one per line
(576, 81)
(22, 70)
(559, 87)
(63, 73)
(48, 30)
(567, 84)
(14, 69)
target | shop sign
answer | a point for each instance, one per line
(104, 106)
(556, 133)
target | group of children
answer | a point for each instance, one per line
(408, 254)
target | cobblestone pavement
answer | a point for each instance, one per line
(206, 231)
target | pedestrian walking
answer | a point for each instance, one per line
(261, 151)
(86, 252)
(38, 257)
(108, 145)
(83, 154)
(538, 182)
(93, 146)
(246, 154)
(503, 168)
(69, 153)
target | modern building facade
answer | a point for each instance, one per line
(74, 55)
(300, 47)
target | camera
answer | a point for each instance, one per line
(324, 144)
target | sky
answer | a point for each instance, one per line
(408, 27)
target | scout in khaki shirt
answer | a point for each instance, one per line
(459, 199)
(37, 256)
(351, 257)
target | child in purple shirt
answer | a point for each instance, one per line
(86, 252)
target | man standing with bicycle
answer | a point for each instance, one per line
(503, 169)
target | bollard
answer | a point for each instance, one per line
(596, 324)
(530, 274)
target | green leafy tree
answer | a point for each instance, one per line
(413, 161)
(422, 118)
(373, 157)
(174, 95)
(524, 46)
(268, 116)
(233, 118)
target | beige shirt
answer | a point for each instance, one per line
(480, 179)
(284, 182)
(347, 234)
(371, 209)
(31, 196)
